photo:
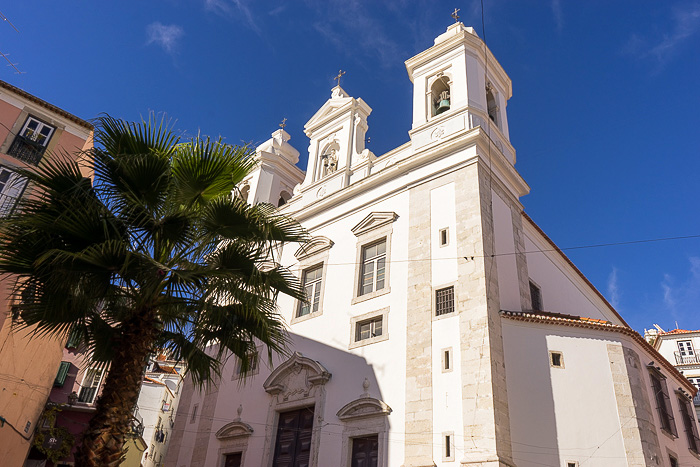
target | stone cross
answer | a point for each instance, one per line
(455, 15)
(337, 78)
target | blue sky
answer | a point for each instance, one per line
(604, 114)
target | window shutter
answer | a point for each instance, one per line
(62, 374)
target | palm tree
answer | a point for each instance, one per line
(155, 252)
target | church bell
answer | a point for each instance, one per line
(443, 103)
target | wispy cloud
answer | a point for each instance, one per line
(558, 14)
(681, 297)
(685, 22)
(613, 288)
(278, 10)
(163, 35)
(232, 8)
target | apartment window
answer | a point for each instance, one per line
(691, 431)
(556, 359)
(61, 375)
(444, 301)
(536, 297)
(673, 461)
(91, 383)
(11, 189)
(686, 348)
(369, 328)
(365, 451)
(312, 281)
(663, 402)
(372, 271)
(31, 142)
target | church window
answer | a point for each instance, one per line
(312, 281)
(365, 451)
(233, 460)
(444, 237)
(663, 402)
(293, 443)
(691, 431)
(448, 448)
(284, 197)
(556, 359)
(252, 369)
(440, 96)
(536, 297)
(445, 301)
(368, 329)
(373, 270)
(491, 104)
(447, 360)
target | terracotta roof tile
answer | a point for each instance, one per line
(676, 331)
(592, 323)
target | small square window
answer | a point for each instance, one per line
(368, 329)
(444, 236)
(571, 464)
(444, 301)
(311, 281)
(556, 359)
(536, 297)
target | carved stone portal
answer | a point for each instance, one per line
(296, 378)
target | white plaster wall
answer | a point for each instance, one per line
(150, 402)
(508, 284)
(562, 290)
(560, 415)
(442, 215)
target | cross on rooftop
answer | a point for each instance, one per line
(455, 15)
(284, 123)
(337, 78)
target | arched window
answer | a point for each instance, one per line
(440, 96)
(491, 104)
(284, 197)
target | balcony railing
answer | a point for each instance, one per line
(7, 204)
(26, 150)
(686, 359)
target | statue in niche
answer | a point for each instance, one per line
(330, 162)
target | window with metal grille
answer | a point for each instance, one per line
(691, 431)
(663, 402)
(312, 281)
(536, 297)
(444, 301)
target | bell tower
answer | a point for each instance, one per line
(458, 84)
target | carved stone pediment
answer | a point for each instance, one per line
(235, 429)
(296, 378)
(362, 408)
(374, 220)
(312, 247)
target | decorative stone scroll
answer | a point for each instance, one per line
(312, 247)
(235, 429)
(296, 378)
(362, 408)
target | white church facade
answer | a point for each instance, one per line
(425, 341)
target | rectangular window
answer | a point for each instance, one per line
(194, 413)
(365, 451)
(691, 431)
(91, 383)
(62, 373)
(252, 365)
(444, 301)
(686, 348)
(372, 272)
(444, 236)
(233, 460)
(311, 280)
(448, 447)
(663, 402)
(31, 142)
(673, 460)
(536, 297)
(368, 329)
(11, 189)
(446, 360)
(556, 359)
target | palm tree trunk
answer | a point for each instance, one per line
(103, 440)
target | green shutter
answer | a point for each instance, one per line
(62, 373)
(73, 339)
